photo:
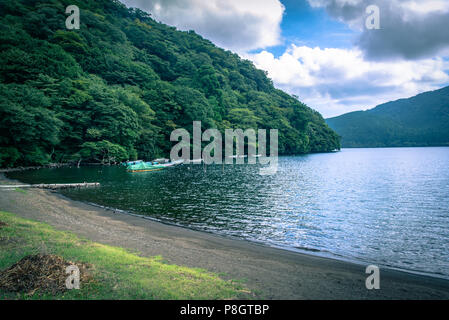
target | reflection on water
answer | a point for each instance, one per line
(382, 206)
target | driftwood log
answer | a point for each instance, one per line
(52, 186)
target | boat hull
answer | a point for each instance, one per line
(149, 166)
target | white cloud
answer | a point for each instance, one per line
(335, 81)
(409, 29)
(426, 7)
(238, 25)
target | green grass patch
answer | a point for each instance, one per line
(117, 273)
(20, 190)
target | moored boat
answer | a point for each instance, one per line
(142, 166)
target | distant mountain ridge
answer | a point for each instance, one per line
(422, 120)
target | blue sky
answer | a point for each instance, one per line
(303, 25)
(320, 50)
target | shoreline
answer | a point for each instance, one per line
(271, 272)
(297, 250)
(47, 166)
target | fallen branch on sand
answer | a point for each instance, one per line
(52, 186)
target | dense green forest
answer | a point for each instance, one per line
(117, 87)
(422, 120)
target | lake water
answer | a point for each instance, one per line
(388, 207)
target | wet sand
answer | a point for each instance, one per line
(270, 273)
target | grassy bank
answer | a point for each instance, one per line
(116, 273)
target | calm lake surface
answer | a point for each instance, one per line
(388, 207)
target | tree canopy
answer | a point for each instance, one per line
(117, 87)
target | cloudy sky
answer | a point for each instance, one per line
(321, 50)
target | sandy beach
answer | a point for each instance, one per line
(270, 273)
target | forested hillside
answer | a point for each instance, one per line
(116, 88)
(422, 120)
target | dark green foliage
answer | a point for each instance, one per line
(422, 120)
(116, 88)
(103, 151)
(29, 128)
